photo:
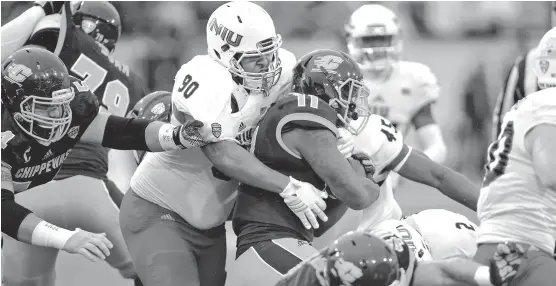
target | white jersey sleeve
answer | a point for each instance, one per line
(381, 142)
(203, 89)
(425, 85)
(447, 234)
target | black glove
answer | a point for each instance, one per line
(505, 262)
(50, 7)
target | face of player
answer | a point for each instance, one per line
(52, 111)
(257, 64)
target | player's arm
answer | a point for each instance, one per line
(16, 32)
(429, 133)
(426, 127)
(335, 210)
(539, 142)
(20, 223)
(319, 148)
(236, 162)
(415, 165)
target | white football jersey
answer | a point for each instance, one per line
(382, 142)
(514, 205)
(447, 234)
(185, 181)
(410, 87)
(408, 234)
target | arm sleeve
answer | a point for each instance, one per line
(12, 214)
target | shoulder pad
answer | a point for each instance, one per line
(380, 140)
(540, 106)
(48, 22)
(307, 111)
(202, 88)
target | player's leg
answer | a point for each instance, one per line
(155, 241)
(115, 193)
(537, 269)
(25, 264)
(268, 261)
(211, 252)
(92, 209)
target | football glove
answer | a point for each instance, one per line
(305, 201)
(505, 263)
(346, 142)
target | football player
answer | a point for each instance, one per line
(173, 216)
(45, 112)
(447, 234)
(327, 94)
(518, 194)
(520, 81)
(402, 92)
(360, 258)
(90, 37)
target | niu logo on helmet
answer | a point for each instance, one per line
(225, 33)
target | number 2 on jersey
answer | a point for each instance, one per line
(116, 94)
(498, 153)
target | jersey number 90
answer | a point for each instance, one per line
(116, 94)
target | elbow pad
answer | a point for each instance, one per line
(125, 133)
(12, 214)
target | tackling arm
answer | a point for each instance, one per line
(236, 162)
(319, 149)
(420, 168)
(139, 134)
(429, 134)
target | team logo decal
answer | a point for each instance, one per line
(327, 63)
(17, 73)
(158, 108)
(26, 155)
(6, 137)
(216, 129)
(544, 64)
(72, 133)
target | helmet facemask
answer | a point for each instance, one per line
(375, 51)
(259, 81)
(45, 129)
(352, 102)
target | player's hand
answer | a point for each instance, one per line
(91, 245)
(402, 281)
(50, 7)
(505, 263)
(305, 201)
(346, 142)
(366, 162)
(189, 133)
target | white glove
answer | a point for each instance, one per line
(305, 201)
(346, 141)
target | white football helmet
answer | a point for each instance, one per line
(238, 31)
(402, 230)
(545, 65)
(374, 37)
